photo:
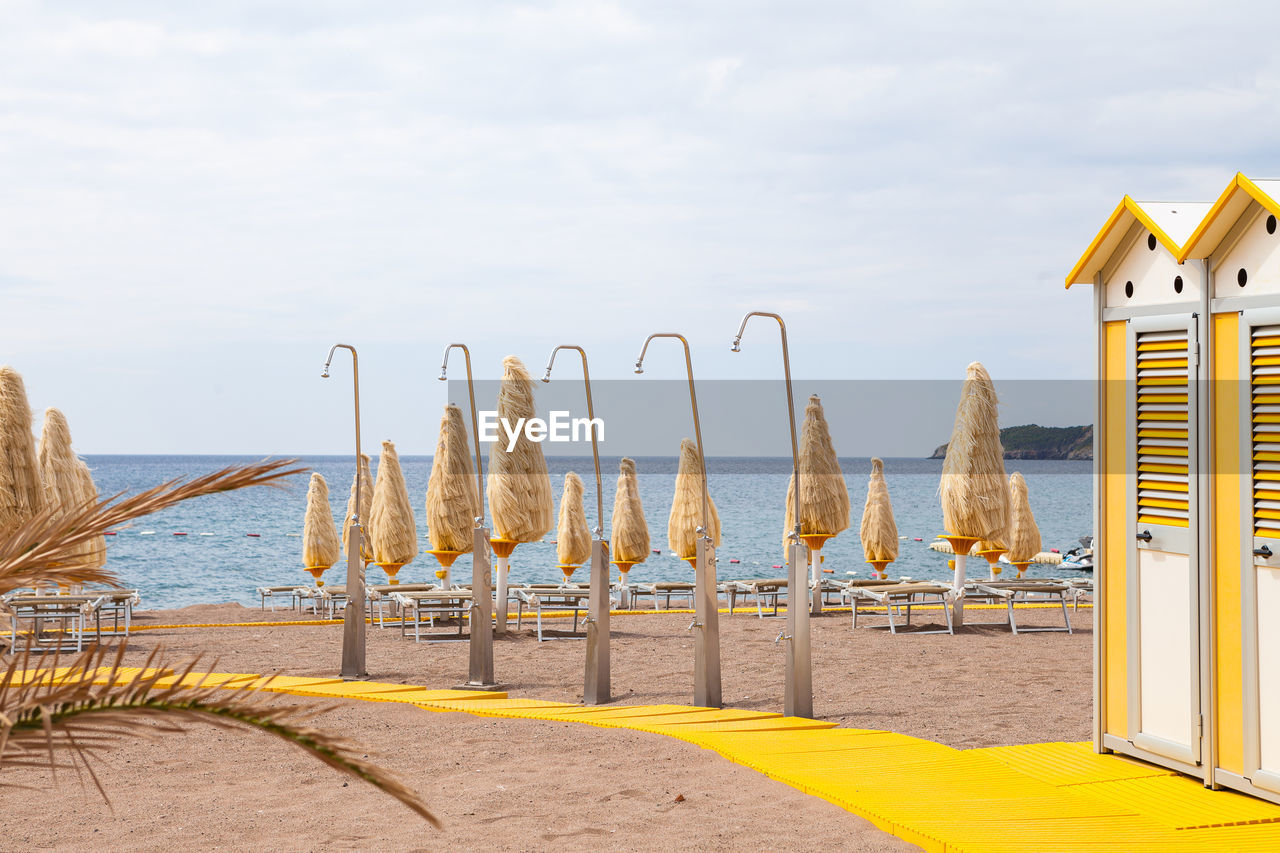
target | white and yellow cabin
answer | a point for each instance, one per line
(1187, 486)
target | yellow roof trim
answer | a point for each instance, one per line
(1239, 183)
(1131, 207)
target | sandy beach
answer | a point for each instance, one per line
(506, 784)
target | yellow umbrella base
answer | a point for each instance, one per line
(815, 541)
(446, 558)
(878, 567)
(316, 572)
(1021, 567)
(993, 558)
(391, 569)
(567, 571)
(503, 547)
(960, 544)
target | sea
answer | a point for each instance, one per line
(222, 547)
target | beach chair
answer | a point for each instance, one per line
(539, 597)
(71, 614)
(761, 590)
(1014, 592)
(378, 597)
(667, 589)
(295, 593)
(896, 597)
(431, 605)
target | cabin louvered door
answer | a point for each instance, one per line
(1260, 509)
(1162, 579)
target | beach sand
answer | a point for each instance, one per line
(505, 784)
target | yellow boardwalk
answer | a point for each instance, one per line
(1038, 797)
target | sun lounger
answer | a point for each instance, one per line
(761, 590)
(1024, 592)
(667, 589)
(378, 597)
(429, 606)
(899, 597)
(539, 597)
(71, 614)
(296, 593)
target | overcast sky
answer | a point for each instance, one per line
(197, 200)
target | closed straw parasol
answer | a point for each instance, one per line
(452, 502)
(686, 506)
(391, 524)
(974, 491)
(68, 485)
(975, 495)
(366, 498)
(519, 488)
(879, 532)
(520, 500)
(321, 547)
(630, 544)
(824, 498)
(1024, 535)
(573, 537)
(21, 494)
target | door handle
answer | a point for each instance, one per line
(1144, 536)
(1264, 551)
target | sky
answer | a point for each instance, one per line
(198, 200)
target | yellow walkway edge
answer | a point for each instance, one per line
(1037, 797)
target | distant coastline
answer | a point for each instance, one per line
(1031, 441)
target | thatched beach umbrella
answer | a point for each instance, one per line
(452, 502)
(974, 492)
(824, 498)
(1024, 535)
(686, 507)
(520, 501)
(68, 484)
(321, 547)
(366, 499)
(879, 532)
(391, 523)
(630, 543)
(21, 493)
(573, 537)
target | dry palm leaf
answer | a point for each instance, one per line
(452, 502)
(520, 501)
(67, 721)
(46, 547)
(630, 531)
(686, 506)
(1024, 535)
(975, 496)
(879, 532)
(21, 494)
(391, 523)
(321, 547)
(573, 537)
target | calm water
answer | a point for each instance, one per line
(218, 561)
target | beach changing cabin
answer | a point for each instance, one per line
(1187, 485)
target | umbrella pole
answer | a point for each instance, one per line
(799, 667)
(596, 683)
(353, 631)
(706, 646)
(480, 668)
(501, 566)
(957, 590)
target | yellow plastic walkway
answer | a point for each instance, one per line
(1039, 797)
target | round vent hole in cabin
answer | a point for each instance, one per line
(1177, 284)
(1151, 242)
(1128, 290)
(1271, 224)
(1242, 277)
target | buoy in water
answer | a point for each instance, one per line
(109, 533)
(918, 539)
(777, 567)
(735, 561)
(179, 534)
(254, 535)
(656, 551)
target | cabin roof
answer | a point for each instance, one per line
(1226, 211)
(1172, 223)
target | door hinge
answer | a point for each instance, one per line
(1199, 726)
(1197, 364)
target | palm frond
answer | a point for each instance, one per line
(44, 549)
(65, 717)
